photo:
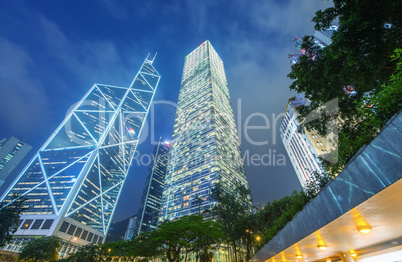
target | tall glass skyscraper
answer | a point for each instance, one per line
(205, 147)
(74, 181)
(152, 195)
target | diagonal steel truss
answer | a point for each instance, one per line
(80, 170)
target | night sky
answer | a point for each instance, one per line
(52, 52)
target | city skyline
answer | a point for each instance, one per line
(66, 54)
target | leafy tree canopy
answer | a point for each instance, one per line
(189, 233)
(9, 216)
(90, 253)
(41, 249)
(355, 67)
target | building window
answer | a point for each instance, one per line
(71, 229)
(95, 239)
(63, 227)
(84, 234)
(37, 223)
(48, 223)
(26, 224)
(90, 236)
(78, 232)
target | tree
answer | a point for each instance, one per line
(278, 213)
(248, 229)
(146, 246)
(122, 249)
(316, 182)
(230, 207)
(9, 216)
(353, 68)
(188, 233)
(90, 253)
(41, 249)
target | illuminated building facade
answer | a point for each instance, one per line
(303, 155)
(130, 228)
(205, 147)
(74, 181)
(152, 195)
(305, 149)
(12, 151)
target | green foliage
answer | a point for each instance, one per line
(90, 253)
(280, 212)
(358, 58)
(248, 230)
(41, 249)
(9, 216)
(230, 208)
(316, 182)
(124, 249)
(146, 246)
(189, 233)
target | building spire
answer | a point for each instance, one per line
(150, 61)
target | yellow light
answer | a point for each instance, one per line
(109, 250)
(322, 246)
(352, 253)
(328, 260)
(299, 256)
(247, 230)
(364, 229)
(258, 238)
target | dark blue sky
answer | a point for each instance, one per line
(52, 52)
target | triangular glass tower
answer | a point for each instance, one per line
(73, 183)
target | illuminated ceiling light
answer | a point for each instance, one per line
(299, 256)
(353, 253)
(365, 229)
(322, 246)
(328, 260)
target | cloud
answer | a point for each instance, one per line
(24, 103)
(288, 16)
(90, 59)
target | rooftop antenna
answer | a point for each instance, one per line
(150, 61)
(153, 58)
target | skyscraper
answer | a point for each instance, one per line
(74, 181)
(205, 147)
(12, 151)
(303, 155)
(130, 228)
(152, 195)
(304, 147)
